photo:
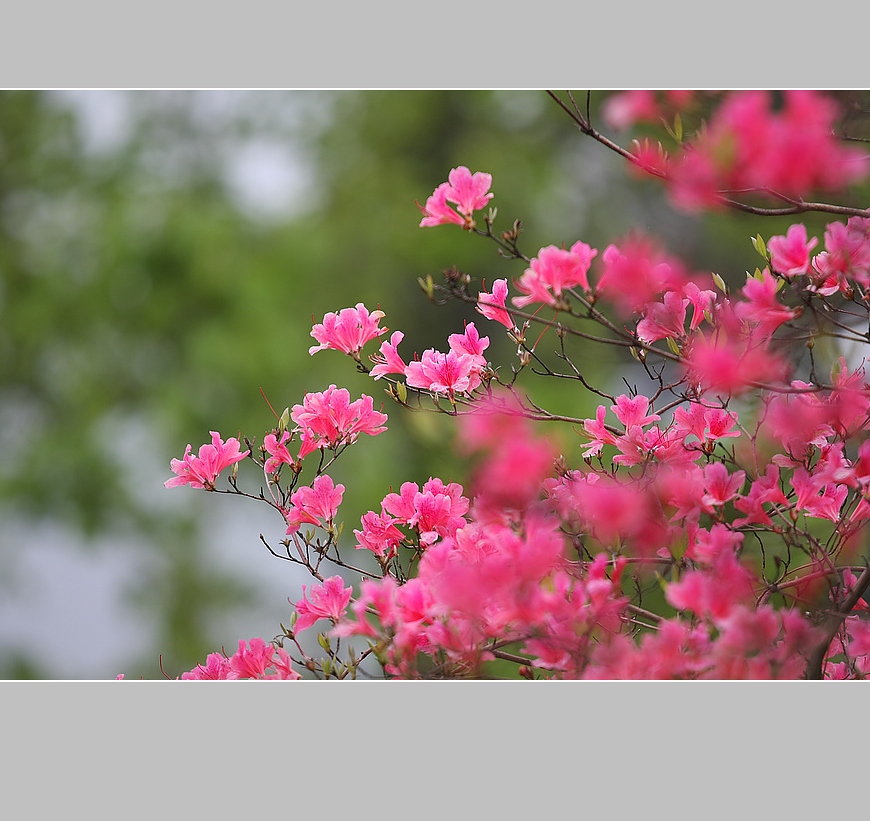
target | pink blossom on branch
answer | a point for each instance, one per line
(554, 270)
(449, 373)
(277, 450)
(790, 254)
(348, 331)
(200, 471)
(387, 360)
(749, 146)
(467, 191)
(315, 505)
(329, 419)
(493, 305)
(325, 601)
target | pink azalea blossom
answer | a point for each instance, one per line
(624, 109)
(846, 257)
(664, 319)
(277, 450)
(761, 305)
(325, 601)
(492, 305)
(637, 274)
(449, 373)
(437, 211)
(790, 255)
(632, 411)
(348, 331)
(600, 435)
(470, 342)
(387, 360)
(701, 301)
(315, 505)
(200, 471)
(436, 510)
(329, 420)
(251, 660)
(379, 534)
(554, 270)
(216, 668)
(467, 191)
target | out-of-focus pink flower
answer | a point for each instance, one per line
(200, 471)
(637, 274)
(327, 601)
(790, 254)
(315, 505)
(732, 358)
(624, 109)
(492, 305)
(554, 270)
(348, 331)
(748, 145)
(467, 191)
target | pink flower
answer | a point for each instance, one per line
(388, 359)
(329, 419)
(467, 191)
(437, 211)
(632, 411)
(251, 662)
(348, 330)
(637, 274)
(702, 303)
(664, 319)
(721, 486)
(277, 450)
(492, 306)
(315, 505)
(554, 270)
(436, 511)
(822, 501)
(846, 256)
(470, 343)
(201, 471)
(790, 255)
(379, 534)
(328, 601)
(761, 305)
(216, 668)
(598, 432)
(449, 373)
(625, 108)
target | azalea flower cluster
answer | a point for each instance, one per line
(748, 144)
(708, 526)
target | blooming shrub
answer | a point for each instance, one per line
(713, 525)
